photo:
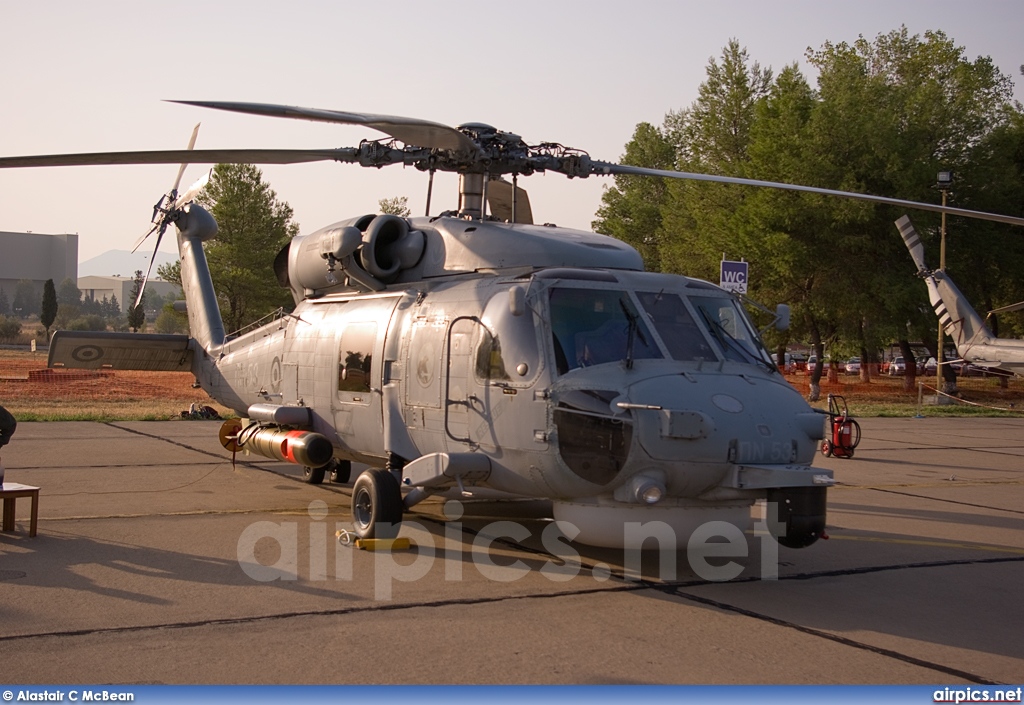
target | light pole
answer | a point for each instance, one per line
(944, 181)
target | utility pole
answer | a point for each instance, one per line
(944, 181)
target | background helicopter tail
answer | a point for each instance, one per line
(959, 319)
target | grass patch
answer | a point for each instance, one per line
(156, 410)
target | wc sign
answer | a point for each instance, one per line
(734, 277)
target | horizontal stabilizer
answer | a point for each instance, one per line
(91, 350)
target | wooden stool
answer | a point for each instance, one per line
(10, 491)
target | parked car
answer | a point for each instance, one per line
(853, 366)
(928, 367)
(794, 362)
(898, 366)
(812, 361)
(799, 362)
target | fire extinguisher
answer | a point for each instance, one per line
(844, 430)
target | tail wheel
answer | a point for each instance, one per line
(313, 476)
(341, 472)
(376, 505)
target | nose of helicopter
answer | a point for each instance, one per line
(761, 418)
(689, 428)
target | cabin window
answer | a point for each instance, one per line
(593, 326)
(355, 357)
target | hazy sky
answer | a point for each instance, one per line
(90, 76)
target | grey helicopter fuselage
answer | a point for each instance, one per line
(532, 360)
(469, 355)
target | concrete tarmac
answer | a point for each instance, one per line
(158, 561)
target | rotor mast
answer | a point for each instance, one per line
(472, 189)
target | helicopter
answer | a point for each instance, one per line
(974, 340)
(480, 354)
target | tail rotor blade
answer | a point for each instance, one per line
(152, 259)
(191, 146)
(913, 242)
(142, 239)
(194, 189)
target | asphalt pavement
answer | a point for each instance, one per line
(160, 560)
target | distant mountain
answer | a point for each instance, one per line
(121, 263)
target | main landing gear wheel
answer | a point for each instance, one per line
(377, 505)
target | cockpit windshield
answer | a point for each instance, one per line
(595, 326)
(680, 333)
(592, 326)
(731, 329)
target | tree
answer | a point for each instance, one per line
(399, 205)
(170, 321)
(113, 309)
(137, 314)
(26, 300)
(69, 302)
(885, 117)
(253, 226)
(10, 329)
(711, 136)
(631, 210)
(891, 114)
(49, 310)
(5, 304)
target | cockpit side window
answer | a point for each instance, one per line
(489, 363)
(596, 326)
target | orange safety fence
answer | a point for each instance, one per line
(24, 377)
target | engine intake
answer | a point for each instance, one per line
(369, 252)
(390, 246)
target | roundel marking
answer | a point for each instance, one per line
(87, 353)
(275, 375)
(425, 365)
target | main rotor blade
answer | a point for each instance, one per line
(609, 168)
(412, 131)
(177, 156)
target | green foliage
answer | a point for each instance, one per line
(26, 301)
(10, 329)
(5, 304)
(885, 117)
(137, 314)
(170, 321)
(253, 226)
(69, 294)
(49, 306)
(89, 322)
(112, 308)
(631, 210)
(69, 303)
(399, 205)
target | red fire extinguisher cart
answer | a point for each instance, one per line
(844, 431)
